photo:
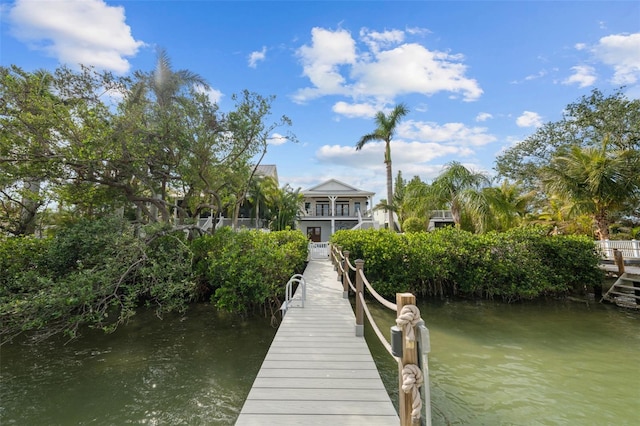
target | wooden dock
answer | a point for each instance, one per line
(317, 372)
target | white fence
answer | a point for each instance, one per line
(319, 251)
(629, 249)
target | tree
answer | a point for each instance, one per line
(260, 188)
(507, 206)
(26, 131)
(164, 97)
(598, 182)
(586, 124)
(53, 133)
(386, 127)
(93, 143)
(284, 207)
(459, 189)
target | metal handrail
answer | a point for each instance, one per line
(289, 294)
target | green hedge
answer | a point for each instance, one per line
(97, 273)
(249, 269)
(91, 273)
(524, 263)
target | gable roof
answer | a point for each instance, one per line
(335, 187)
(268, 170)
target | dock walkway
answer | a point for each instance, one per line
(317, 372)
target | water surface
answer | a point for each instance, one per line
(552, 363)
(555, 363)
(192, 370)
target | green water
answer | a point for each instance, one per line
(491, 364)
(557, 363)
(195, 370)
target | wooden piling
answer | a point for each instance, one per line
(409, 356)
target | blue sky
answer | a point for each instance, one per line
(477, 76)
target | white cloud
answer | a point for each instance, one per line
(213, 94)
(580, 46)
(376, 40)
(379, 68)
(277, 139)
(456, 134)
(355, 110)
(536, 76)
(88, 32)
(414, 149)
(371, 156)
(418, 31)
(529, 119)
(622, 52)
(256, 56)
(583, 76)
(321, 61)
(483, 116)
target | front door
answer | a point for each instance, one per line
(313, 233)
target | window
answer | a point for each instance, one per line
(322, 209)
(342, 209)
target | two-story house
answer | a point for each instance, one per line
(332, 206)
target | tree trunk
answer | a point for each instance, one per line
(29, 207)
(390, 191)
(602, 225)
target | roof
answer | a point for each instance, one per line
(335, 187)
(268, 170)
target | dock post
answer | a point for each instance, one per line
(359, 289)
(345, 279)
(339, 263)
(619, 260)
(409, 356)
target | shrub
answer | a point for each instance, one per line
(249, 269)
(524, 263)
(414, 224)
(92, 273)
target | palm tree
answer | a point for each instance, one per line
(163, 92)
(285, 205)
(596, 181)
(259, 191)
(386, 126)
(461, 190)
(507, 206)
(166, 84)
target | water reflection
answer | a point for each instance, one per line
(178, 371)
(549, 363)
(554, 363)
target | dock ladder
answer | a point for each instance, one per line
(625, 292)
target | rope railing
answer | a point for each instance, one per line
(403, 347)
(376, 295)
(376, 329)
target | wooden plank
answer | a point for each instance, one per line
(314, 420)
(318, 357)
(316, 370)
(629, 287)
(315, 373)
(344, 350)
(318, 394)
(317, 383)
(337, 365)
(375, 408)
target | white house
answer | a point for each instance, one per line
(332, 206)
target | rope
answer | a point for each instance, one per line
(407, 320)
(411, 382)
